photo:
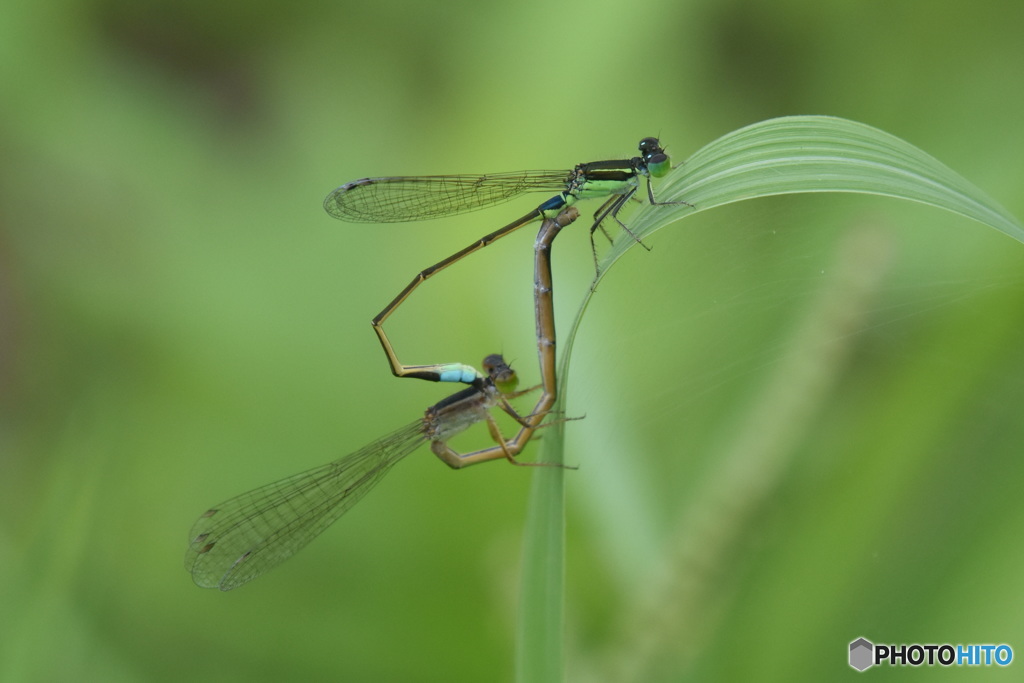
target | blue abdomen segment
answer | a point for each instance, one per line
(556, 203)
(457, 372)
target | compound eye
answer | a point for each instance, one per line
(658, 164)
(503, 376)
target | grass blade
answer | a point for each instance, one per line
(779, 156)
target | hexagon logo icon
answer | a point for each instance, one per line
(861, 654)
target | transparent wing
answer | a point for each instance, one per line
(416, 198)
(251, 534)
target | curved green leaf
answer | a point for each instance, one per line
(779, 156)
(811, 154)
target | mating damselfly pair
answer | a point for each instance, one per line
(250, 534)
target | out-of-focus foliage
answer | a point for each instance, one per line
(803, 413)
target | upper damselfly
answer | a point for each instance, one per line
(414, 198)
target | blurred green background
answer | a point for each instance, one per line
(802, 414)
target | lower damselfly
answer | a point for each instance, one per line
(247, 536)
